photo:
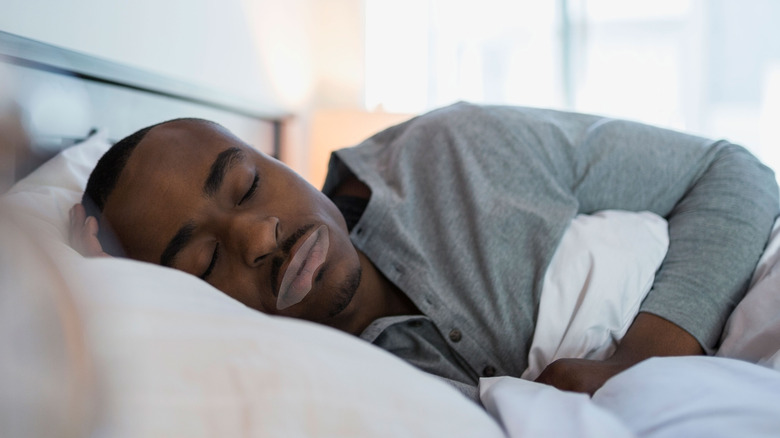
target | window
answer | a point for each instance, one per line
(707, 67)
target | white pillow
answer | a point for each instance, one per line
(182, 359)
(601, 271)
(179, 358)
(752, 332)
(46, 195)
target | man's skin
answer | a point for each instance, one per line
(244, 225)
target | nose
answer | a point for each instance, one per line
(254, 237)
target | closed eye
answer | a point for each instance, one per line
(213, 263)
(252, 189)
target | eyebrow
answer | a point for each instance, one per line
(176, 244)
(219, 168)
(224, 161)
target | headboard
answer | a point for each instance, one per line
(63, 95)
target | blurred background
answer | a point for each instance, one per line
(343, 69)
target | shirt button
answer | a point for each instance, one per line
(489, 371)
(455, 335)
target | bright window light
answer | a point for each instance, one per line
(706, 67)
(422, 54)
(396, 55)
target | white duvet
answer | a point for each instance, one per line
(597, 278)
(661, 397)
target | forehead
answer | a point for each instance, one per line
(176, 151)
(194, 141)
(161, 184)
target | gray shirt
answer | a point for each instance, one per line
(469, 203)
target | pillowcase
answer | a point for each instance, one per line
(180, 358)
(752, 331)
(601, 271)
(176, 357)
(45, 196)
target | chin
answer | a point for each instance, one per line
(344, 295)
(331, 305)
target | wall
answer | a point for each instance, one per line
(334, 70)
(293, 57)
(199, 41)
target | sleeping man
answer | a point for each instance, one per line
(432, 238)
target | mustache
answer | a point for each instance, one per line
(286, 247)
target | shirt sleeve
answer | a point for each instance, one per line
(719, 200)
(717, 231)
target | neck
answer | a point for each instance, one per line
(377, 297)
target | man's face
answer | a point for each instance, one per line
(194, 197)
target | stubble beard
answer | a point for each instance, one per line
(346, 292)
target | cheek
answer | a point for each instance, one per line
(146, 214)
(242, 286)
(137, 236)
(331, 214)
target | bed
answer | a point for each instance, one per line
(137, 350)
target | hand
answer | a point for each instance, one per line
(648, 336)
(581, 375)
(83, 233)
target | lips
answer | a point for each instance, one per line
(297, 280)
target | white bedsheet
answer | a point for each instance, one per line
(734, 395)
(659, 398)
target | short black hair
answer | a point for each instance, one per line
(104, 177)
(106, 173)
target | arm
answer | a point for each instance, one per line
(649, 336)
